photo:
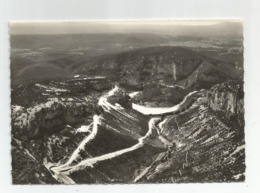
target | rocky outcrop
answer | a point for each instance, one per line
(209, 140)
(227, 101)
(227, 98)
(49, 117)
(45, 108)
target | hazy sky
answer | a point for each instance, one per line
(105, 26)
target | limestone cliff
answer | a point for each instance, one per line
(208, 140)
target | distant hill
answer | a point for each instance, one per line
(160, 64)
(167, 64)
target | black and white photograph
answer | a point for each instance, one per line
(127, 102)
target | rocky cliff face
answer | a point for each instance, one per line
(208, 140)
(227, 98)
(45, 108)
(48, 117)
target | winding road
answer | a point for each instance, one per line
(61, 172)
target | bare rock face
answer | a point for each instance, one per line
(48, 107)
(48, 117)
(209, 140)
(227, 98)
